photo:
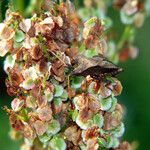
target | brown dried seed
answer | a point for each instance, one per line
(31, 102)
(58, 70)
(42, 66)
(82, 101)
(7, 33)
(92, 144)
(71, 92)
(17, 104)
(117, 88)
(40, 127)
(19, 55)
(36, 52)
(11, 90)
(57, 108)
(88, 102)
(97, 29)
(43, 28)
(28, 132)
(72, 52)
(124, 146)
(104, 91)
(16, 77)
(15, 122)
(112, 120)
(124, 55)
(6, 46)
(41, 101)
(45, 113)
(62, 46)
(63, 116)
(94, 104)
(31, 31)
(68, 35)
(52, 45)
(119, 108)
(36, 91)
(50, 86)
(92, 132)
(119, 3)
(85, 114)
(140, 5)
(73, 134)
(71, 146)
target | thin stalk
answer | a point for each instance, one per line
(124, 38)
(76, 3)
(20, 5)
(34, 5)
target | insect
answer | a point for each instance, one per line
(98, 67)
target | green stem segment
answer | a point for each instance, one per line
(34, 5)
(20, 5)
(124, 37)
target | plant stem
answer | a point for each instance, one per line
(34, 5)
(124, 37)
(19, 4)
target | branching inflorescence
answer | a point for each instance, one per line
(65, 90)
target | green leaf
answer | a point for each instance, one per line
(109, 140)
(19, 36)
(90, 53)
(9, 62)
(113, 106)
(115, 143)
(64, 96)
(83, 147)
(101, 142)
(107, 22)
(83, 125)
(118, 132)
(57, 101)
(125, 18)
(82, 48)
(57, 143)
(91, 88)
(98, 120)
(58, 90)
(84, 13)
(91, 22)
(49, 96)
(74, 114)
(106, 103)
(76, 82)
(53, 127)
(44, 138)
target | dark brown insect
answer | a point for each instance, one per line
(97, 67)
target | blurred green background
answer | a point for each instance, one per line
(135, 96)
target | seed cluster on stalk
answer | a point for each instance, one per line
(130, 14)
(53, 108)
